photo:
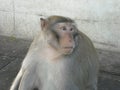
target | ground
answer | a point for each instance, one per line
(12, 52)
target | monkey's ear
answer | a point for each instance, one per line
(43, 23)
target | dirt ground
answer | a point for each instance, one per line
(12, 52)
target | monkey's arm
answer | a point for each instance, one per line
(17, 80)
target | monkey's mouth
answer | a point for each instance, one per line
(68, 50)
(68, 47)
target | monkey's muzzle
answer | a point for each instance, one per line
(67, 50)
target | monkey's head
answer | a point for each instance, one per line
(61, 33)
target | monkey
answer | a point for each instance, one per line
(61, 57)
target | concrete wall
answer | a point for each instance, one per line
(99, 19)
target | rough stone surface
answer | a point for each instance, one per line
(109, 61)
(13, 51)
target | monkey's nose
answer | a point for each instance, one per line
(69, 38)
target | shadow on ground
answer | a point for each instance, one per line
(12, 52)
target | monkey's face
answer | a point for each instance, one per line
(63, 37)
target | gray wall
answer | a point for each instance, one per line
(99, 19)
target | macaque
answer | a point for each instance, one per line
(60, 58)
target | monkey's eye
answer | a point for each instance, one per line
(71, 29)
(64, 28)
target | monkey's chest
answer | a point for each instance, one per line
(65, 75)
